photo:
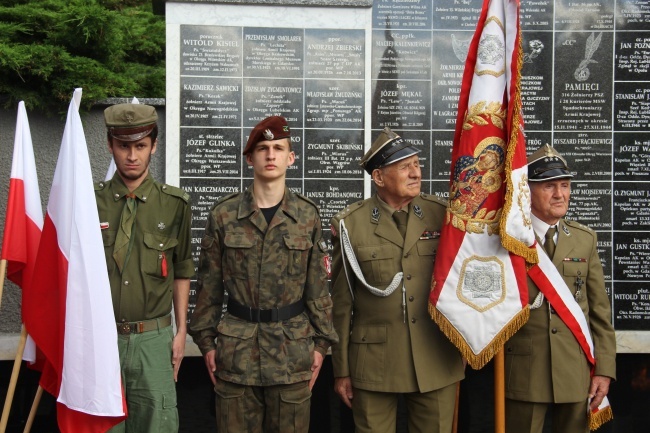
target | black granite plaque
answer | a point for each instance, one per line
(631, 206)
(398, 54)
(454, 14)
(211, 51)
(632, 305)
(632, 106)
(583, 82)
(204, 193)
(536, 81)
(632, 56)
(273, 52)
(588, 154)
(537, 15)
(591, 203)
(210, 152)
(632, 14)
(441, 146)
(401, 105)
(604, 249)
(273, 97)
(332, 196)
(584, 15)
(447, 69)
(333, 154)
(210, 101)
(632, 156)
(402, 14)
(334, 54)
(536, 139)
(334, 104)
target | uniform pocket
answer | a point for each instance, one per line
(377, 264)
(367, 353)
(518, 360)
(230, 406)
(234, 345)
(108, 238)
(158, 261)
(299, 345)
(299, 248)
(294, 408)
(239, 253)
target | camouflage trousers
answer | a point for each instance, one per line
(148, 380)
(262, 409)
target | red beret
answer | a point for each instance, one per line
(271, 128)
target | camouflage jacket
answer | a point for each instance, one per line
(263, 266)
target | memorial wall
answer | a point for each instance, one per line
(340, 74)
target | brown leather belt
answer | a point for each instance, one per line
(126, 328)
(270, 315)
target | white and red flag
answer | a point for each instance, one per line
(479, 295)
(24, 220)
(69, 311)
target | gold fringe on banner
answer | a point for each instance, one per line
(478, 361)
(597, 419)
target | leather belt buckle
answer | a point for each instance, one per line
(124, 328)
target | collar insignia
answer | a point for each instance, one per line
(418, 211)
(566, 230)
(375, 215)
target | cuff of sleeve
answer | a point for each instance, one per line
(606, 366)
(184, 269)
(205, 343)
(321, 346)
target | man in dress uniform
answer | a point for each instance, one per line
(264, 247)
(545, 365)
(384, 249)
(146, 231)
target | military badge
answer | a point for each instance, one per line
(333, 229)
(566, 230)
(268, 134)
(161, 225)
(427, 234)
(375, 215)
(417, 210)
(327, 260)
(103, 225)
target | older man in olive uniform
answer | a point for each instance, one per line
(146, 231)
(545, 366)
(384, 249)
(264, 248)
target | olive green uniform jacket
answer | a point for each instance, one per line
(380, 349)
(544, 362)
(162, 231)
(263, 266)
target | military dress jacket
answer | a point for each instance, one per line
(381, 348)
(544, 362)
(161, 249)
(263, 266)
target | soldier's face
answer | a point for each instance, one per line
(270, 159)
(132, 158)
(550, 199)
(400, 182)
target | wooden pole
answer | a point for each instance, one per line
(3, 273)
(14, 379)
(32, 412)
(499, 393)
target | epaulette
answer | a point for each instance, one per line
(101, 185)
(176, 192)
(433, 198)
(578, 226)
(225, 198)
(349, 209)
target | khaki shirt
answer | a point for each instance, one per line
(162, 234)
(263, 266)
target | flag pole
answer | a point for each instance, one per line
(3, 273)
(32, 412)
(13, 380)
(499, 393)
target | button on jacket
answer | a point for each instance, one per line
(162, 245)
(263, 266)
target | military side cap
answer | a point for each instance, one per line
(271, 128)
(387, 149)
(130, 122)
(547, 164)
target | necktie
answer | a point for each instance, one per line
(401, 219)
(123, 239)
(549, 242)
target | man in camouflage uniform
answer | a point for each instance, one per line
(146, 232)
(384, 249)
(264, 248)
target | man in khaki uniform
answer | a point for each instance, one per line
(384, 249)
(264, 248)
(545, 366)
(146, 232)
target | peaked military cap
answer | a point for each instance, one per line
(130, 122)
(547, 164)
(271, 128)
(385, 150)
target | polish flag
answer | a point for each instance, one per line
(24, 221)
(69, 311)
